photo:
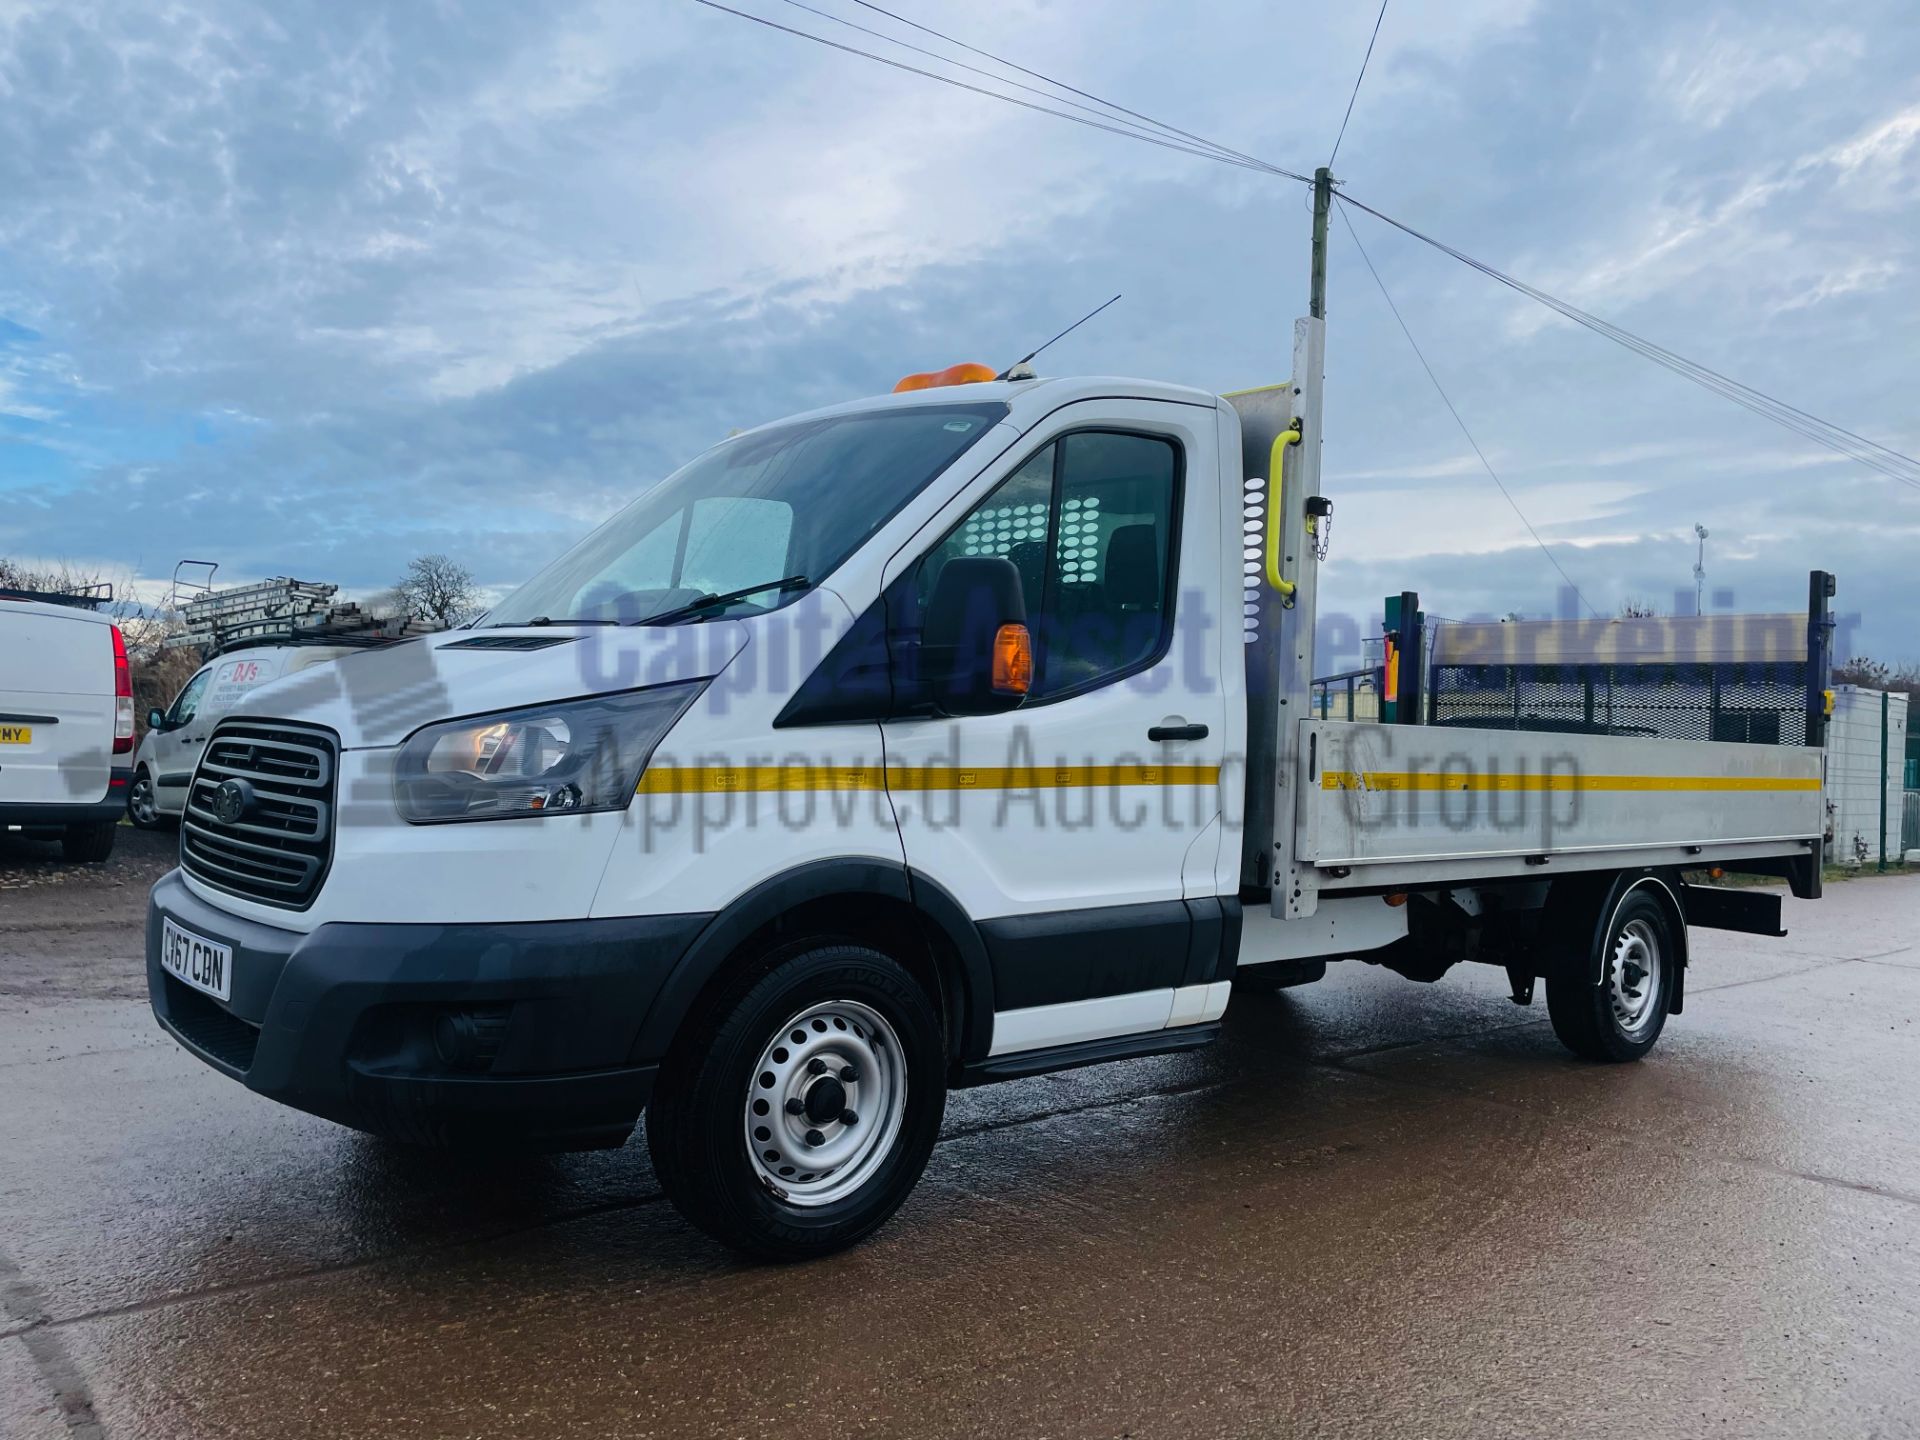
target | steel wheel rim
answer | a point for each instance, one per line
(1635, 977)
(802, 1147)
(141, 801)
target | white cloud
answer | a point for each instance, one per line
(1885, 145)
(416, 280)
(1711, 77)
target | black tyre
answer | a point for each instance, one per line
(794, 1116)
(143, 802)
(89, 844)
(1278, 975)
(1619, 1016)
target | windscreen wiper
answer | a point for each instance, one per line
(726, 597)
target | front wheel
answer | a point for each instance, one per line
(795, 1116)
(143, 801)
(1621, 1016)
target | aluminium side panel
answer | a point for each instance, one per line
(1384, 795)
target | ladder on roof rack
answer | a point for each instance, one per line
(276, 611)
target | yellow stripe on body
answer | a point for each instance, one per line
(1047, 777)
(1546, 781)
(740, 779)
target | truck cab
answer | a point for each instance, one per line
(918, 742)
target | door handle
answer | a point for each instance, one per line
(1177, 732)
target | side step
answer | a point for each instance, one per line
(1090, 1052)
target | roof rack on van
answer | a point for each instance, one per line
(341, 625)
(277, 611)
(80, 597)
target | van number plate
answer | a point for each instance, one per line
(199, 963)
(16, 734)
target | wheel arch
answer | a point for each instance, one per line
(1581, 911)
(867, 901)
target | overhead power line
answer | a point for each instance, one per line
(1060, 84)
(1131, 132)
(1130, 124)
(1356, 85)
(1454, 411)
(1105, 114)
(1871, 453)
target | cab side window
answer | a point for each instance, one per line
(1089, 523)
(187, 702)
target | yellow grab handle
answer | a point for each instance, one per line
(1276, 484)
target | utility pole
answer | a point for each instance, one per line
(1700, 570)
(1322, 207)
(1279, 619)
(1295, 892)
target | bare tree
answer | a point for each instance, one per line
(1872, 674)
(388, 604)
(57, 579)
(1631, 609)
(437, 589)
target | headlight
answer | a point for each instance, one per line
(567, 758)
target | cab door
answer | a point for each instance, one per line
(176, 746)
(1062, 827)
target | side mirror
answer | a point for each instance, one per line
(976, 652)
(156, 720)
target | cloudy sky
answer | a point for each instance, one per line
(312, 288)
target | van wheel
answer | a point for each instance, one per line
(1620, 1017)
(89, 844)
(795, 1115)
(143, 802)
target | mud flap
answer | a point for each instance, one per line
(1749, 912)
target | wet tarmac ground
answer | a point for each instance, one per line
(1376, 1208)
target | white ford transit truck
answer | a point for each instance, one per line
(941, 738)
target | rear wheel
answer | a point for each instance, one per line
(795, 1116)
(143, 801)
(1619, 1016)
(88, 844)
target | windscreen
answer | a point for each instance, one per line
(789, 503)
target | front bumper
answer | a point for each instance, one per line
(442, 1034)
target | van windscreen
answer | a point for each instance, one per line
(789, 503)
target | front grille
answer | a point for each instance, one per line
(219, 1033)
(277, 852)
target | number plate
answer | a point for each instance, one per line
(16, 734)
(200, 963)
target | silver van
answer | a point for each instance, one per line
(175, 736)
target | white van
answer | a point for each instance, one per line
(66, 725)
(157, 795)
(930, 740)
